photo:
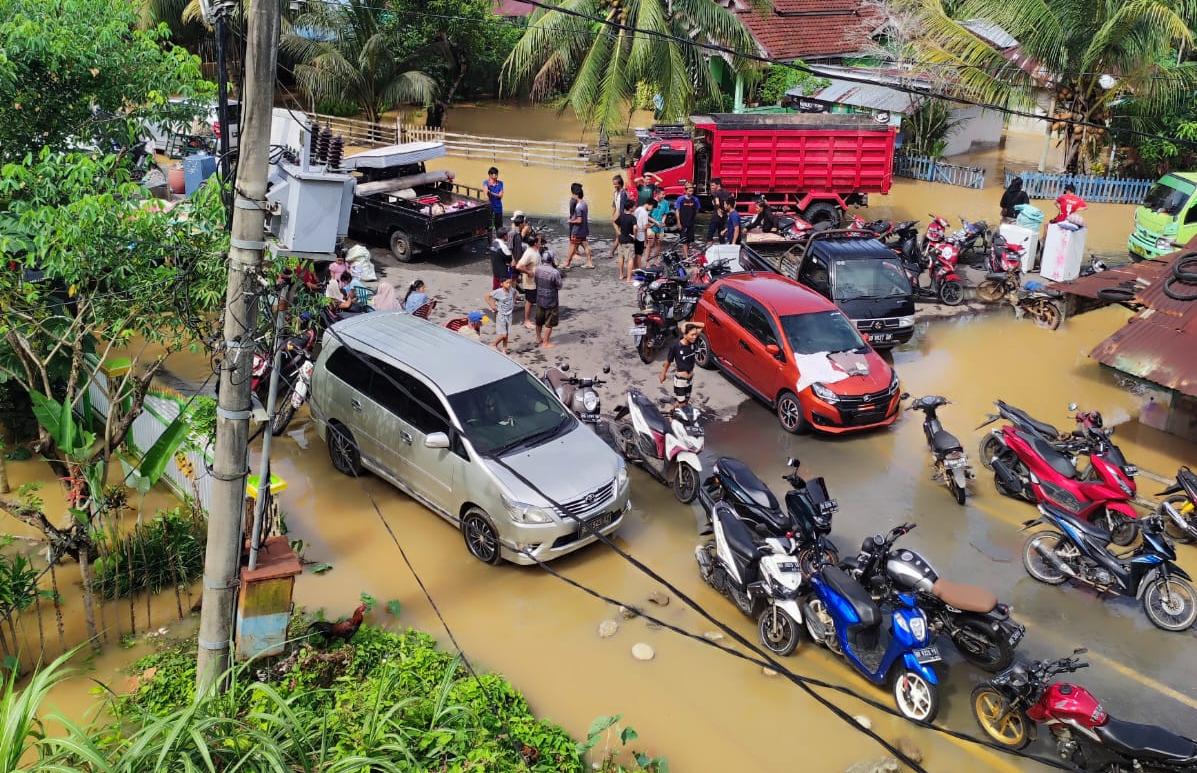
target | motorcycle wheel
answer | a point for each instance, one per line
(980, 646)
(915, 697)
(1183, 536)
(1036, 565)
(1046, 314)
(990, 291)
(644, 347)
(958, 491)
(1122, 529)
(810, 560)
(282, 417)
(989, 448)
(778, 631)
(951, 293)
(821, 633)
(625, 437)
(1170, 604)
(642, 297)
(742, 600)
(1003, 725)
(685, 483)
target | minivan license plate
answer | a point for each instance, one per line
(927, 654)
(596, 524)
(639, 330)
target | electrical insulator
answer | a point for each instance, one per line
(313, 144)
(322, 146)
(336, 149)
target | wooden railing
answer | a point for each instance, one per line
(1109, 190)
(357, 132)
(936, 171)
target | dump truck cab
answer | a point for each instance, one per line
(1167, 216)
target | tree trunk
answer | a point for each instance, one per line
(4, 487)
(57, 604)
(89, 600)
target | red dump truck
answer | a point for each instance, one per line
(820, 164)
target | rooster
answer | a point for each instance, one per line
(342, 629)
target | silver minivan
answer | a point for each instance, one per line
(469, 433)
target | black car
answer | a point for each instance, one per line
(856, 271)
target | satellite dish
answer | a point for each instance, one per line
(1107, 81)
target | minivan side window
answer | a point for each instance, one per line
(425, 411)
(350, 368)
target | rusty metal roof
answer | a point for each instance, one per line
(1159, 343)
(1142, 274)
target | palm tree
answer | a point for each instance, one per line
(347, 52)
(602, 65)
(1098, 55)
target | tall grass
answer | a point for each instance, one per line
(21, 730)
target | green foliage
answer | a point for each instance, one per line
(21, 729)
(18, 582)
(779, 80)
(385, 702)
(58, 58)
(927, 129)
(600, 67)
(154, 460)
(202, 419)
(1171, 149)
(163, 552)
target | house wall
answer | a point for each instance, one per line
(1043, 102)
(978, 129)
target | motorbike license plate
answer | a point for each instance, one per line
(926, 655)
(300, 394)
(638, 330)
(596, 524)
(1016, 637)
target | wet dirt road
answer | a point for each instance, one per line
(703, 709)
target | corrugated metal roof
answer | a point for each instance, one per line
(1142, 274)
(875, 96)
(991, 33)
(1158, 344)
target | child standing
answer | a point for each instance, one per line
(502, 303)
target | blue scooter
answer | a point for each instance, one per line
(886, 647)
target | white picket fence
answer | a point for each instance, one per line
(159, 411)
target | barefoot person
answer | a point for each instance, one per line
(548, 288)
(526, 268)
(502, 304)
(682, 357)
(625, 239)
(687, 207)
(579, 226)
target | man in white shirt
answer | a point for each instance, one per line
(643, 220)
(526, 268)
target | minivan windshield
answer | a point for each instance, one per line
(1168, 196)
(854, 279)
(512, 413)
(822, 331)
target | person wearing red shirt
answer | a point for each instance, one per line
(1069, 203)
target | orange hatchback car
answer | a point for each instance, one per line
(795, 350)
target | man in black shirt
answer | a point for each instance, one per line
(718, 196)
(625, 240)
(682, 357)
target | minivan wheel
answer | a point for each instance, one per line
(343, 451)
(702, 353)
(789, 413)
(480, 537)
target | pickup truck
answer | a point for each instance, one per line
(398, 202)
(857, 272)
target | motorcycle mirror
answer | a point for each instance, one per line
(792, 461)
(564, 367)
(1072, 406)
(1080, 651)
(606, 369)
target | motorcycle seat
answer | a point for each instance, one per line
(560, 384)
(648, 409)
(944, 441)
(740, 542)
(1059, 462)
(855, 594)
(1019, 416)
(967, 598)
(744, 482)
(1147, 742)
(997, 276)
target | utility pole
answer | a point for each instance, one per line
(223, 559)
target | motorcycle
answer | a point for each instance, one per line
(761, 577)
(939, 260)
(296, 396)
(578, 394)
(671, 266)
(1180, 507)
(807, 518)
(670, 302)
(936, 233)
(892, 647)
(951, 463)
(1009, 706)
(1073, 549)
(668, 451)
(1071, 444)
(1030, 468)
(973, 238)
(970, 616)
(1032, 301)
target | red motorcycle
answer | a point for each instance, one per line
(1028, 466)
(1009, 706)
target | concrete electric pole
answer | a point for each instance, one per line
(222, 562)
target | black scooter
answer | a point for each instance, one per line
(970, 616)
(807, 517)
(951, 463)
(1179, 508)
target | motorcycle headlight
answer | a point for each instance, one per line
(824, 393)
(900, 622)
(1122, 485)
(590, 401)
(521, 512)
(906, 321)
(918, 627)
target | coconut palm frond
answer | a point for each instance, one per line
(585, 91)
(409, 87)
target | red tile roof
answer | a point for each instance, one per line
(513, 8)
(802, 29)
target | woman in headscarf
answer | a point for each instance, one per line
(1012, 197)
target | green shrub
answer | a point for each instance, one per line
(161, 553)
(928, 128)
